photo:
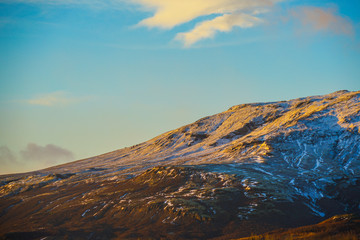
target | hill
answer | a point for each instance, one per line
(251, 169)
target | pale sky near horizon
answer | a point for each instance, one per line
(80, 78)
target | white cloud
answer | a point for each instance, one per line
(220, 15)
(228, 14)
(224, 23)
(323, 19)
(58, 2)
(52, 99)
(169, 13)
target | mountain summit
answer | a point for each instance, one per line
(299, 133)
(253, 168)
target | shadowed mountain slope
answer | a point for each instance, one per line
(343, 227)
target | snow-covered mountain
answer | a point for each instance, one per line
(264, 165)
(299, 133)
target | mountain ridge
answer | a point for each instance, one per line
(180, 142)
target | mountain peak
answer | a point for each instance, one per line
(245, 133)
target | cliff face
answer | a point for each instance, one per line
(252, 168)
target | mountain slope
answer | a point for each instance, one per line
(344, 227)
(252, 133)
(251, 169)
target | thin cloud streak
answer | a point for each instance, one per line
(225, 23)
(59, 98)
(171, 13)
(221, 16)
(229, 14)
(60, 2)
(323, 19)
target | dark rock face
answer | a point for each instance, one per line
(252, 169)
(187, 202)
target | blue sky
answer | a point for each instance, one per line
(81, 78)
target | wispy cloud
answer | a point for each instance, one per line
(322, 19)
(62, 2)
(6, 156)
(222, 15)
(5, 21)
(224, 23)
(8, 161)
(32, 157)
(52, 99)
(172, 13)
(227, 15)
(47, 155)
(213, 16)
